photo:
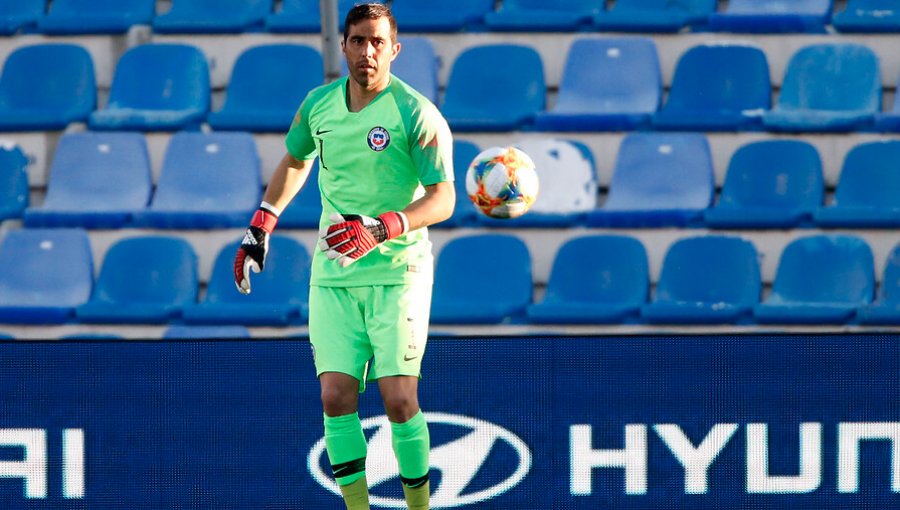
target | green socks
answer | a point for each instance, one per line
(411, 443)
(346, 446)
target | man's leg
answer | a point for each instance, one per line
(410, 436)
(341, 350)
(344, 439)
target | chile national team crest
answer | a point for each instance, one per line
(378, 139)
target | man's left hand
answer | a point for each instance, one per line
(351, 236)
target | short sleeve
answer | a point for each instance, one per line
(431, 146)
(299, 141)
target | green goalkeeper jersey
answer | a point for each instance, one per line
(370, 162)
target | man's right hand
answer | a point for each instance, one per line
(252, 253)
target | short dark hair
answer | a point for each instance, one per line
(370, 11)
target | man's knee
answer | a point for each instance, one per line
(340, 395)
(400, 406)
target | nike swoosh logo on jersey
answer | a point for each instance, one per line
(409, 358)
(323, 131)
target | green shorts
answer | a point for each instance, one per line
(369, 332)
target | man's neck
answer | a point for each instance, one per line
(358, 97)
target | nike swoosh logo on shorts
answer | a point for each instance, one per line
(407, 358)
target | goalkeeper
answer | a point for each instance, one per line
(385, 173)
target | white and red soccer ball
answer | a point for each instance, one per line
(502, 182)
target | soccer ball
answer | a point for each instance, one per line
(502, 182)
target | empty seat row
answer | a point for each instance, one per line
(166, 87)
(143, 280)
(595, 279)
(598, 279)
(716, 87)
(213, 180)
(104, 180)
(235, 16)
(667, 179)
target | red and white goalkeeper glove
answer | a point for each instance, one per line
(352, 236)
(252, 253)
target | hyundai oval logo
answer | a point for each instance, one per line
(459, 461)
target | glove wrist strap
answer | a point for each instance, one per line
(264, 219)
(395, 223)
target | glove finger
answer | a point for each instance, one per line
(342, 246)
(336, 230)
(243, 286)
(248, 265)
(345, 260)
(240, 277)
(336, 254)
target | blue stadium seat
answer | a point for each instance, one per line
(660, 179)
(303, 16)
(654, 15)
(417, 65)
(296, 16)
(568, 185)
(305, 210)
(706, 280)
(717, 87)
(192, 332)
(20, 15)
(46, 87)
(440, 15)
(507, 101)
(868, 190)
(5, 336)
(773, 16)
(472, 262)
(464, 212)
(543, 15)
(886, 307)
(14, 193)
(868, 16)
(279, 295)
(828, 87)
(595, 279)
(53, 273)
(213, 16)
(256, 98)
(96, 16)
(97, 180)
(144, 280)
(821, 279)
(889, 121)
(589, 101)
(208, 180)
(770, 184)
(157, 87)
